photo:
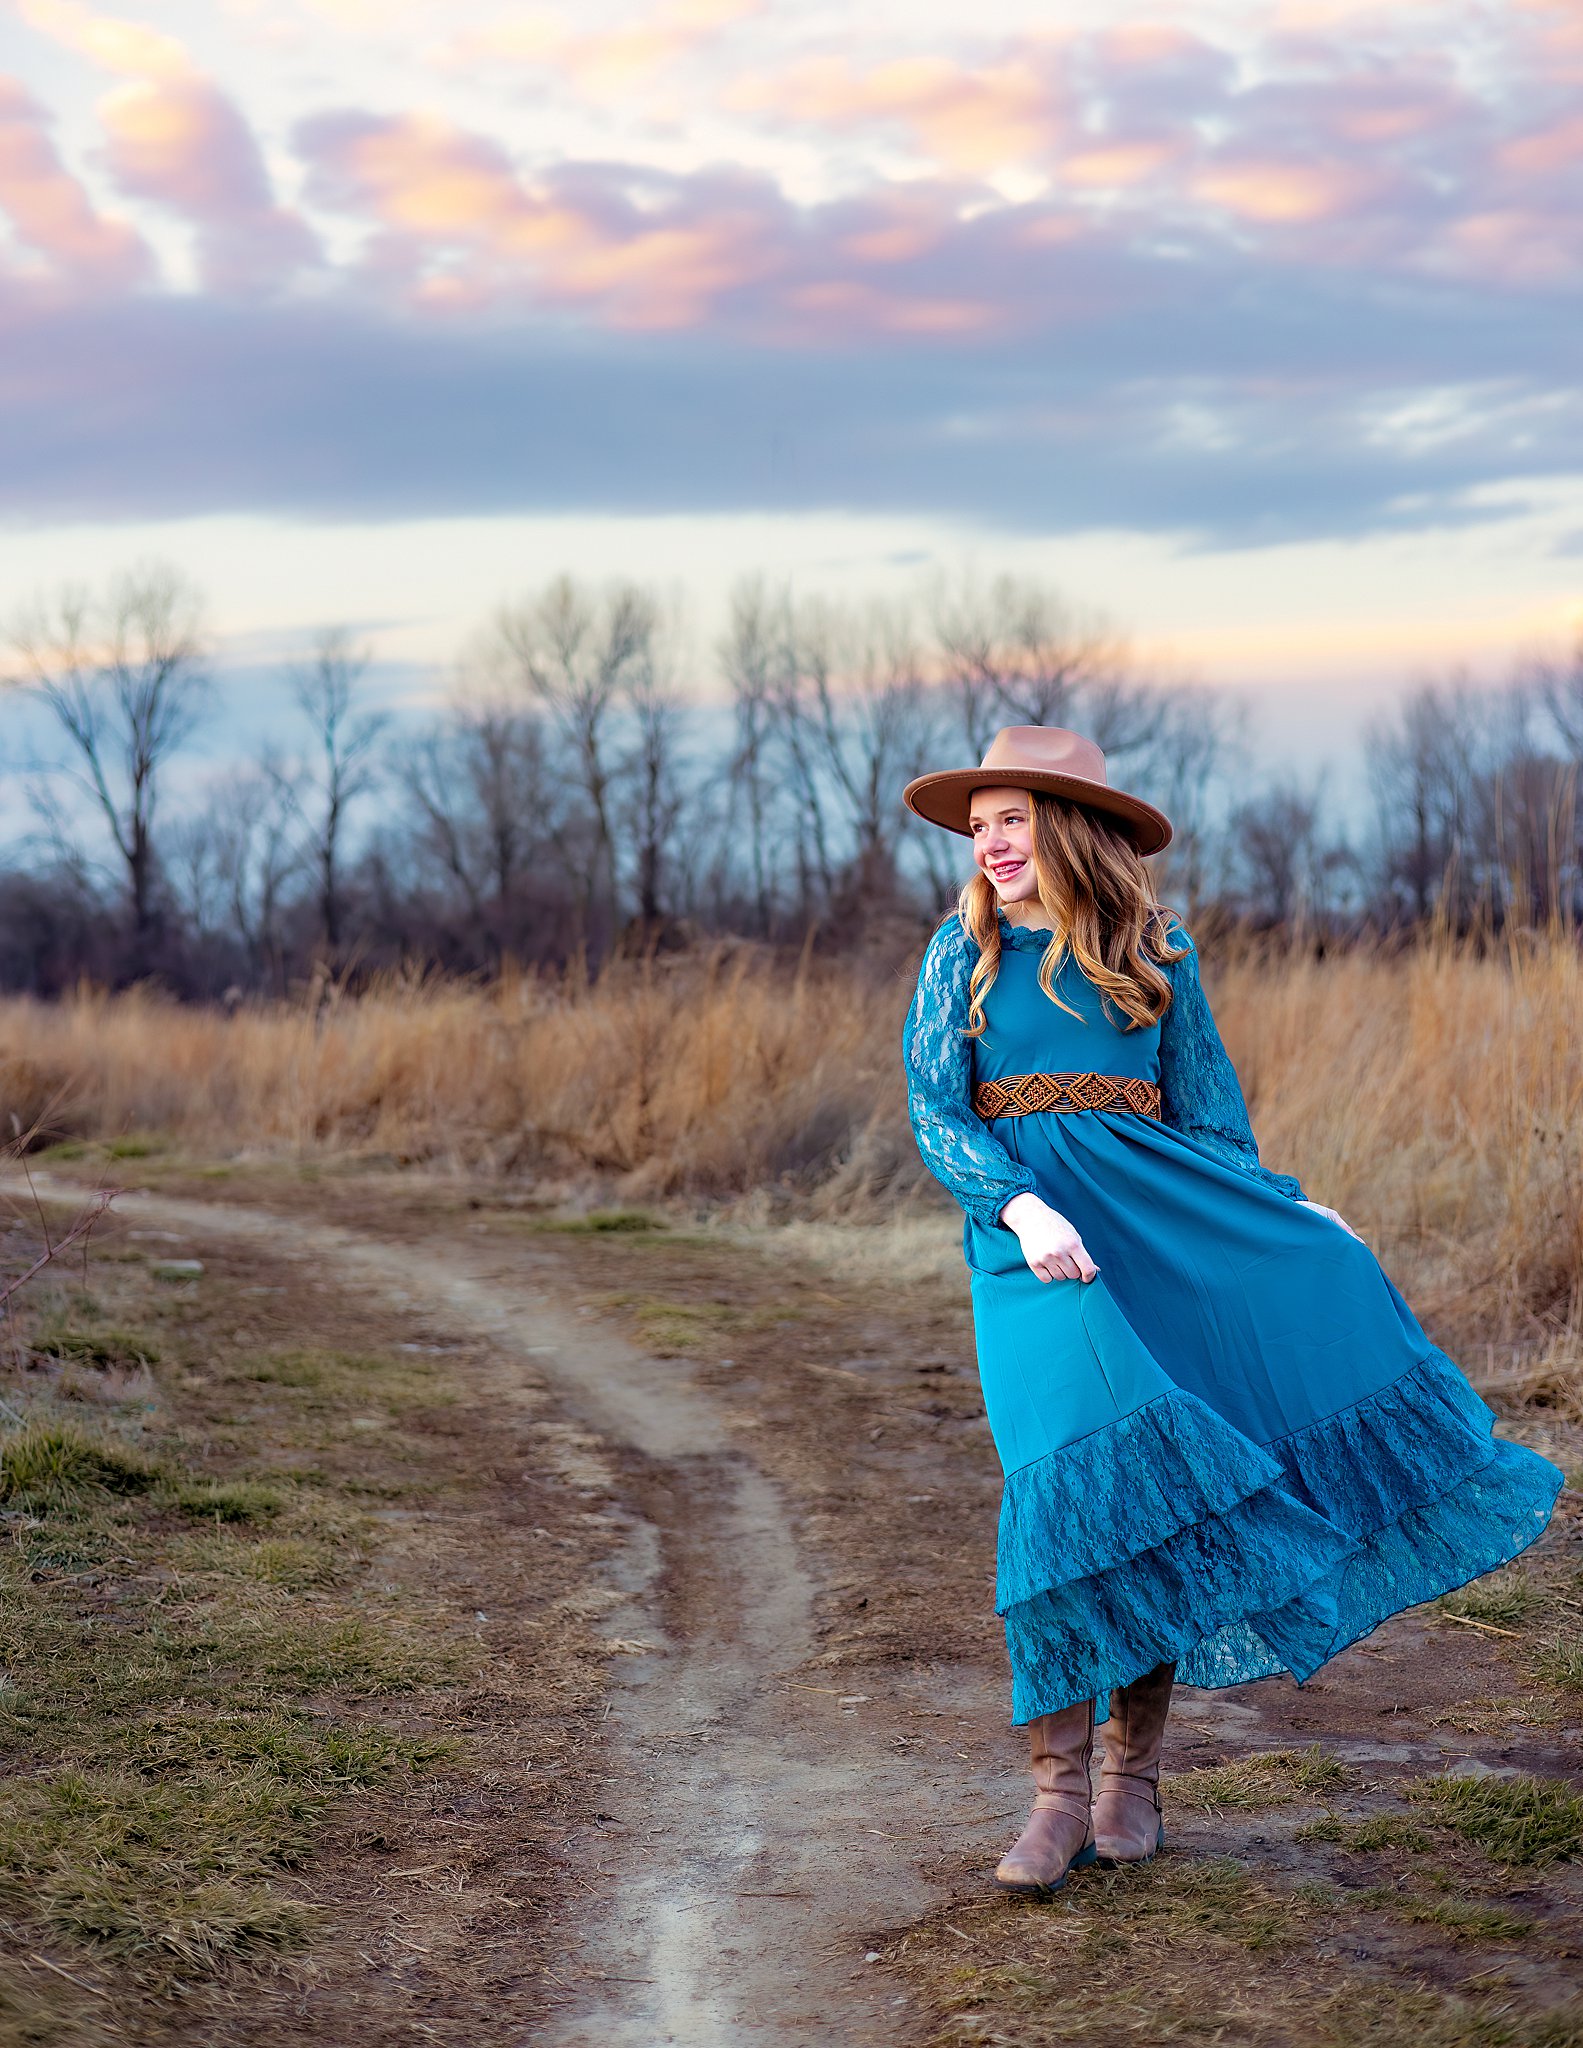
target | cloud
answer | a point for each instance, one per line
(1202, 399)
(968, 118)
(181, 142)
(603, 63)
(1212, 279)
(50, 211)
(107, 40)
(1276, 193)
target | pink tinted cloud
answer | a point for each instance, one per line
(180, 142)
(1554, 148)
(969, 118)
(457, 225)
(606, 64)
(1272, 191)
(461, 222)
(48, 208)
(132, 47)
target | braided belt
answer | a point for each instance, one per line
(1027, 1094)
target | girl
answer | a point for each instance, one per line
(1229, 1448)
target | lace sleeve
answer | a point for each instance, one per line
(1200, 1093)
(958, 1147)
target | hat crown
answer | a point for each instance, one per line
(1047, 750)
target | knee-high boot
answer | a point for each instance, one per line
(1060, 1835)
(1128, 1826)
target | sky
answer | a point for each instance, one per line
(1253, 327)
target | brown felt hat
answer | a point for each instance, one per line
(1044, 757)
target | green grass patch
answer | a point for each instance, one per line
(121, 1350)
(1560, 1663)
(296, 1564)
(603, 1223)
(1388, 2016)
(135, 1145)
(65, 1150)
(1505, 1598)
(60, 1468)
(288, 1745)
(49, 1465)
(192, 1669)
(328, 1379)
(175, 1871)
(221, 1500)
(1515, 1820)
(686, 1329)
(1218, 1896)
(1275, 1777)
(1383, 1831)
(1464, 1919)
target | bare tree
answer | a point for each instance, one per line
(750, 655)
(1198, 756)
(341, 762)
(1013, 653)
(124, 676)
(872, 716)
(1559, 687)
(479, 783)
(1286, 864)
(574, 651)
(652, 773)
(1423, 765)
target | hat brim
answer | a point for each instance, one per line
(945, 798)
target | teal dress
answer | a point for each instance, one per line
(1236, 1449)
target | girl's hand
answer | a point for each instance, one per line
(1319, 1209)
(1049, 1243)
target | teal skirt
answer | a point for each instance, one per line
(1236, 1450)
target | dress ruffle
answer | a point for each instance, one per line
(1168, 1536)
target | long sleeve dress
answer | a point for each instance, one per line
(1236, 1449)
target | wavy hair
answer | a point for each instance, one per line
(1099, 896)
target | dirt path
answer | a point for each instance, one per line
(806, 1769)
(749, 1830)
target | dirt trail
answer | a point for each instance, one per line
(752, 1828)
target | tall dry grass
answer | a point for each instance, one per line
(1435, 1098)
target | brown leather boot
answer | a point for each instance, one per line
(1059, 1836)
(1128, 1826)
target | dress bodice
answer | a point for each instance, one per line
(1025, 1033)
(1028, 1034)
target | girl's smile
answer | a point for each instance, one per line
(1002, 827)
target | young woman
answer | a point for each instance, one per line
(1229, 1448)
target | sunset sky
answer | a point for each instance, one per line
(1256, 327)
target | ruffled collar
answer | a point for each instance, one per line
(1020, 938)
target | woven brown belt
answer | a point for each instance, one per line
(1027, 1094)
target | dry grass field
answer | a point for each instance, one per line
(1435, 1097)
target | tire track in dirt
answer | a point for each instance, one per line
(749, 1837)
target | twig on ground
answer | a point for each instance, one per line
(1488, 1627)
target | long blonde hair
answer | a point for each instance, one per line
(1095, 890)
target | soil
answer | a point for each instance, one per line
(785, 1789)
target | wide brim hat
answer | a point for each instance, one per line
(1042, 757)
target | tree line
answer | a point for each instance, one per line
(591, 785)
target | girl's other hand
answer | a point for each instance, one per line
(1049, 1243)
(1319, 1209)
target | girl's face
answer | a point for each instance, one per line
(1002, 824)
